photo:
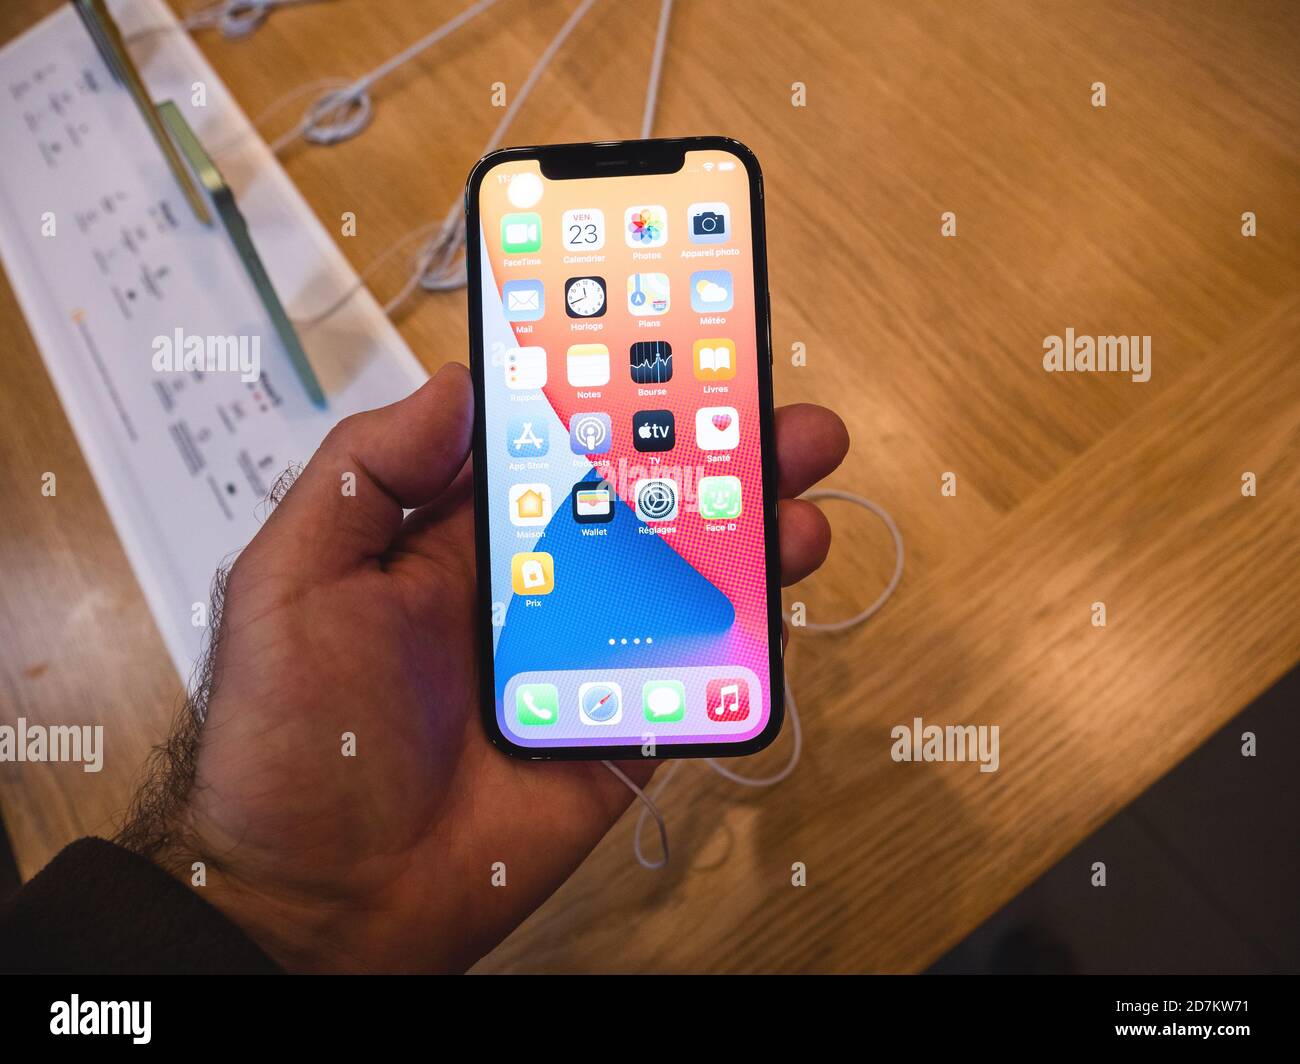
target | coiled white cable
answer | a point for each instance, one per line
(649, 808)
(235, 18)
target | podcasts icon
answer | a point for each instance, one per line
(590, 433)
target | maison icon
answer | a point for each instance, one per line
(530, 504)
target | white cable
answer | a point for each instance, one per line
(235, 18)
(340, 114)
(440, 266)
(656, 69)
(648, 803)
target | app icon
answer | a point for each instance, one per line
(590, 433)
(537, 703)
(522, 300)
(530, 504)
(663, 700)
(525, 368)
(711, 291)
(653, 430)
(727, 700)
(715, 360)
(588, 365)
(717, 428)
(719, 498)
(593, 502)
(708, 223)
(645, 227)
(527, 437)
(521, 233)
(600, 703)
(584, 297)
(647, 294)
(524, 189)
(532, 573)
(584, 229)
(656, 499)
(651, 361)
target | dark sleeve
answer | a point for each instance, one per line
(98, 908)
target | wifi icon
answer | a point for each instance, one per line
(651, 362)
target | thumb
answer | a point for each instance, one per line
(346, 506)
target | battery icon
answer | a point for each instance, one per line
(726, 166)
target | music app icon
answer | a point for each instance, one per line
(727, 700)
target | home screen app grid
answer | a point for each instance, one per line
(603, 285)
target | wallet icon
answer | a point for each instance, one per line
(522, 300)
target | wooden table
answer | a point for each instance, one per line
(1071, 488)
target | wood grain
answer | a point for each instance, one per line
(1072, 488)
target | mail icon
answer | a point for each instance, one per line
(522, 300)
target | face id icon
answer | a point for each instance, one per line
(527, 437)
(590, 433)
(719, 498)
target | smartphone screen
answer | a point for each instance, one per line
(623, 454)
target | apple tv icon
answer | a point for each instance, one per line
(653, 430)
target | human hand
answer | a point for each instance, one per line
(342, 616)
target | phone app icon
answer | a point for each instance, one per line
(530, 504)
(527, 437)
(653, 430)
(537, 704)
(663, 700)
(584, 297)
(717, 428)
(532, 573)
(590, 433)
(522, 300)
(719, 498)
(525, 368)
(600, 703)
(521, 233)
(645, 227)
(593, 502)
(584, 229)
(715, 360)
(656, 499)
(588, 365)
(647, 294)
(726, 700)
(708, 223)
(711, 291)
(651, 361)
